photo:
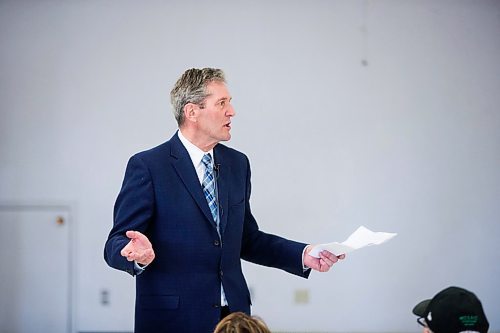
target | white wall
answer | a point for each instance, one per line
(409, 142)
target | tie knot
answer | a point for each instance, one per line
(207, 160)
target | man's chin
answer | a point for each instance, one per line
(226, 137)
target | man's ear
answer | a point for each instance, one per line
(190, 112)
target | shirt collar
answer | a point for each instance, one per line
(195, 153)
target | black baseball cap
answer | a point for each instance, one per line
(453, 310)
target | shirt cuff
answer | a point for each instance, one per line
(304, 267)
(139, 268)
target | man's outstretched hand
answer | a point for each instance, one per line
(323, 263)
(139, 248)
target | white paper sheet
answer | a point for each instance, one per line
(360, 238)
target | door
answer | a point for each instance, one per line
(34, 269)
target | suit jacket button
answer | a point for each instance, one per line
(221, 273)
(216, 242)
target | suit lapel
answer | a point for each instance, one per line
(185, 169)
(222, 187)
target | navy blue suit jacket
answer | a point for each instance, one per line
(161, 197)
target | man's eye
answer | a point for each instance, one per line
(222, 103)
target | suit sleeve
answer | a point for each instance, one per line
(267, 249)
(133, 210)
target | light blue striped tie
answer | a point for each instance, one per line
(208, 185)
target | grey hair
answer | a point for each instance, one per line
(191, 88)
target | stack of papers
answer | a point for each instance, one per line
(360, 238)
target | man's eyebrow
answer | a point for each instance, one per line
(223, 99)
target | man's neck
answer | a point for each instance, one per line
(197, 140)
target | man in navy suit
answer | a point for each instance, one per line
(182, 220)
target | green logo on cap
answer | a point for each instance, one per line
(468, 320)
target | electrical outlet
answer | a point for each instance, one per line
(301, 296)
(104, 297)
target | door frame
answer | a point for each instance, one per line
(70, 208)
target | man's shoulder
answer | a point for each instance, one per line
(152, 152)
(163, 149)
